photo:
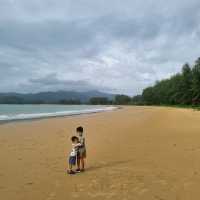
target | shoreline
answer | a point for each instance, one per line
(64, 115)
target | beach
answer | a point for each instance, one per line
(136, 153)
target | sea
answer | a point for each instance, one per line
(28, 112)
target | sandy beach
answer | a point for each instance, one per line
(136, 153)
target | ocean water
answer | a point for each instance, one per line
(22, 112)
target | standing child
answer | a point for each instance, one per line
(73, 154)
(81, 155)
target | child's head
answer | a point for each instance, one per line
(74, 139)
(79, 130)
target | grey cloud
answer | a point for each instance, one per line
(52, 82)
(105, 45)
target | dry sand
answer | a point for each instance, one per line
(133, 153)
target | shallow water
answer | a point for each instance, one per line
(20, 112)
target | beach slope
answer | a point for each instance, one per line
(136, 153)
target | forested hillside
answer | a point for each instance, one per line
(181, 89)
(59, 97)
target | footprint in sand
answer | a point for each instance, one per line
(161, 182)
(140, 189)
(2, 187)
(144, 190)
(29, 183)
(51, 196)
(158, 197)
(57, 184)
(75, 195)
(97, 194)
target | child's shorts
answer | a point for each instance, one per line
(72, 160)
(81, 153)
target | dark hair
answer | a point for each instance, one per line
(74, 138)
(79, 129)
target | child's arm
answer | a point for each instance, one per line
(83, 142)
(78, 145)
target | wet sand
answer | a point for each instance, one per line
(136, 153)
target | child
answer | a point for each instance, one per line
(81, 155)
(73, 154)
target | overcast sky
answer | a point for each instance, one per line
(118, 46)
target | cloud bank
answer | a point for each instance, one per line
(111, 46)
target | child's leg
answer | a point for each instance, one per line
(71, 164)
(78, 162)
(70, 167)
(82, 163)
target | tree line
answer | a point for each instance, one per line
(181, 89)
(117, 100)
